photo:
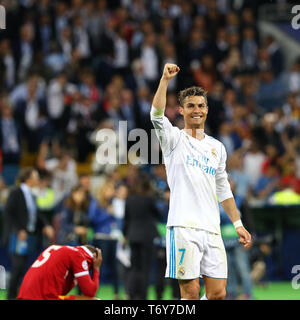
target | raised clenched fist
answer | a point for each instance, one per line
(170, 71)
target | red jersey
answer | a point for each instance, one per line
(54, 272)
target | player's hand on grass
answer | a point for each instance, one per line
(170, 71)
(97, 259)
(244, 237)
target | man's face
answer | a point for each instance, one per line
(34, 179)
(194, 111)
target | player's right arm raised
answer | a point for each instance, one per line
(160, 97)
(167, 135)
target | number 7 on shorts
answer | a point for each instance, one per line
(182, 255)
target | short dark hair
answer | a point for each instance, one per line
(192, 91)
(142, 185)
(25, 174)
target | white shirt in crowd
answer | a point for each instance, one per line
(150, 63)
(253, 165)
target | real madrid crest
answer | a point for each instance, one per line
(214, 152)
(181, 270)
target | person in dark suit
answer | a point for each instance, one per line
(140, 219)
(22, 225)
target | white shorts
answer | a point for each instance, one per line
(193, 253)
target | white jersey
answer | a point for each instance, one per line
(196, 173)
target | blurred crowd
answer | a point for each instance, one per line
(69, 68)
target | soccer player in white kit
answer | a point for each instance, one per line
(196, 172)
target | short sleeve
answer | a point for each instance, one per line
(167, 134)
(79, 265)
(222, 184)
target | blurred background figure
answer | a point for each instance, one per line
(141, 216)
(10, 141)
(104, 224)
(160, 251)
(239, 283)
(23, 225)
(74, 219)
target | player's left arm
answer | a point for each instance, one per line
(227, 201)
(230, 208)
(88, 285)
(80, 268)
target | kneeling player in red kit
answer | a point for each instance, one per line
(54, 272)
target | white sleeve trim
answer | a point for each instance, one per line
(80, 274)
(157, 112)
(225, 196)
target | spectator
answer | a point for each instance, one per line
(289, 178)
(169, 56)
(197, 46)
(292, 78)
(140, 219)
(291, 112)
(252, 163)
(267, 183)
(237, 175)
(275, 54)
(121, 51)
(123, 250)
(272, 157)
(271, 92)
(160, 251)
(226, 137)
(45, 196)
(249, 48)
(31, 112)
(85, 183)
(45, 32)
(143, 105)
(103, 222)
(136, 79)
(206, 75)
(24, 51)
(8, 74)
(23, 225)
(221, 45)
(62, 167)
(237, 256)
(55, 60)
(74, 218)
(59, 99)
(267, 133)
(62, 17)
(10, 141)
(150, 61)
(66, 43)
(128, 108)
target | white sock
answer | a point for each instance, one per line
(183, 299)
(204, 297)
